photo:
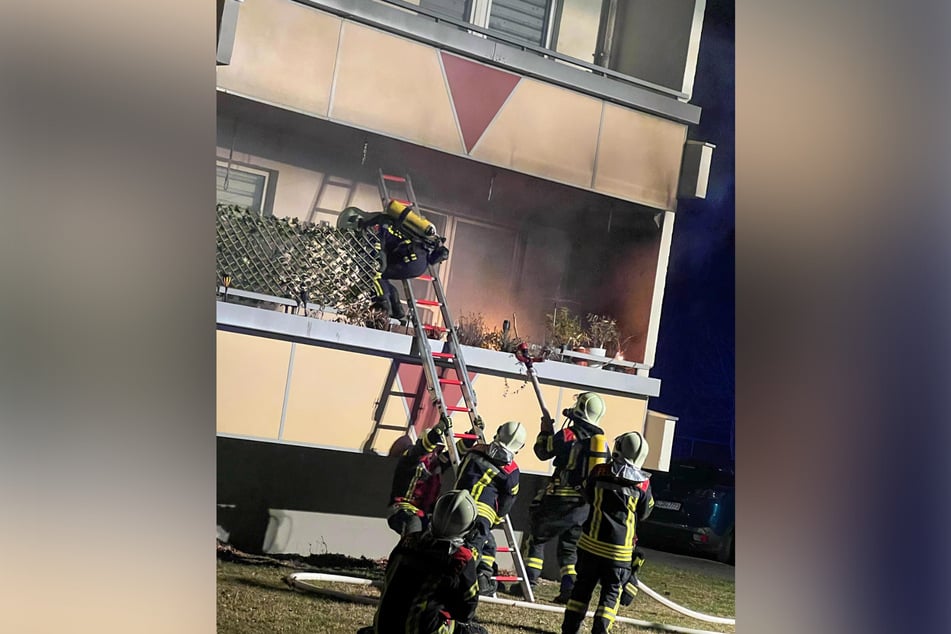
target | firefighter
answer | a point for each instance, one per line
(417, 479)
(490, 474)
(560, 508)
(430, 585)
(404, 252)
(620, 497)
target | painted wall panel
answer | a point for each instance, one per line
(639, 157)
(251, 375)
(546, 131)
(283, 54)
(500, 402)
(332, 395)
(621, 415)
(395, 86)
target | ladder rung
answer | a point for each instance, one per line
(435, 327)
(504, 549)
(466, 436)
(427, 302)
(403, 394)
(425, 278)
(391, 427)
(456, 408)
(444, 355)
(395, 179)
(507, 578)
(408, 203)
(451, 381)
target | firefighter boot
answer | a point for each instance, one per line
(567, 584)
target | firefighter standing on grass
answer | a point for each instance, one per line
(417, 479)
(490, 474)
(430, 585)
(620, 497)
(560, 509)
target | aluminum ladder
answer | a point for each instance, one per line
(451, 356)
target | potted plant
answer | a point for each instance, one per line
(564, 329)
(602, 330)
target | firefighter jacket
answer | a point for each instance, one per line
(620, 496)
(492, 482)
(418, 475)
(430, 586)
(576, 450)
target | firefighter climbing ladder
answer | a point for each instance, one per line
(451, 355)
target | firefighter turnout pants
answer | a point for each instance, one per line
(591, 570)
(553, 516)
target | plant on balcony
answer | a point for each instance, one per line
(602, 331)
(471, 330)
(563, 328)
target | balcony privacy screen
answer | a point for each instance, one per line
(282, 257)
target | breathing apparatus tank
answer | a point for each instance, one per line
(408, 219)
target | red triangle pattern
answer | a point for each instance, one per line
(478, 92)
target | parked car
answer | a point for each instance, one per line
(694, 506)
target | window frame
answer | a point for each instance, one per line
(266, 197)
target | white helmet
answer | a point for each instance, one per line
(589, 408)
(631, 447)
(453, 515)
(511, 435)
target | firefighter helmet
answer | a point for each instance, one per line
(511, 435)
(631, 447)
(588, 408)
(453, 515)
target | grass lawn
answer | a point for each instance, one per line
(252, 597)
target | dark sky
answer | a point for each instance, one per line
(695, 349)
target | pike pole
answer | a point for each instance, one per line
(521, 354)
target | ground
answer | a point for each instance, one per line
(253, 597)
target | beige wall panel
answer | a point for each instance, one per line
(659, 433)
(622, 415)
(251, 375)
(545, 131)
(639, 157)
(394, 86)
(499, 404)
(284, 54)
(332, 397)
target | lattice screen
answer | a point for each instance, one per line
(284, 256)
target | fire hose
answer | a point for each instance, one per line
(300, 581)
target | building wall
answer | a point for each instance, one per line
(321, 65)
(277, 391)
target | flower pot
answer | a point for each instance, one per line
(582, 350)
(599, 352)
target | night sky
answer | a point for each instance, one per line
(695, 349)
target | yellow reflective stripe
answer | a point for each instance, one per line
(427, 445)
(487, 559)
(472, 591)
(515, 490)
(602, 549)
(596, 513)
(406, 506)
(486, 511)
(568, 570)
(551, 444)
(534, 562)
(565, 492)
(630, 588)
(631, 518)
(479, 486)
(576, 606)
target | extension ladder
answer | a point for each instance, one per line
(449, 356)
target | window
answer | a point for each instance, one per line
(242, 185)
(522, 19)
(458, 9)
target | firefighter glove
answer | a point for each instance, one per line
(443, 425)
